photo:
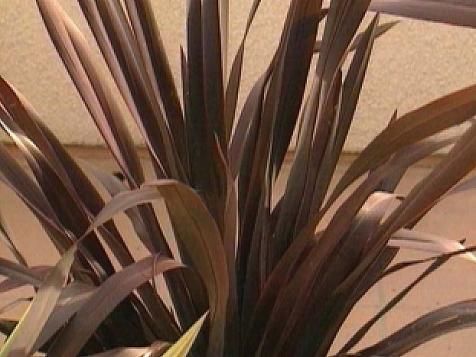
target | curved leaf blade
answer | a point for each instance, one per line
(104, 300)
(430, 243)
(432, 325)
(22, 339)
(454, 12)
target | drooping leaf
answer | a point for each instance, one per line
(426, 242)
(73, 296)
(200, 237)
(104, 300)
(23, 338)
(391, 304)
(19, 274)
(450, 318)
(454, 12)
(195, 228)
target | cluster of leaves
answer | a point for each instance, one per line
(250, 274)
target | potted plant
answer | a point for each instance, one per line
(251, 273)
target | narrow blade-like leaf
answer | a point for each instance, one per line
(23, 338)
(184, 344)
(104, 300)
(454, 12)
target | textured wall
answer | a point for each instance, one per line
(412, 64)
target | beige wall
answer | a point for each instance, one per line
(412, 64)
